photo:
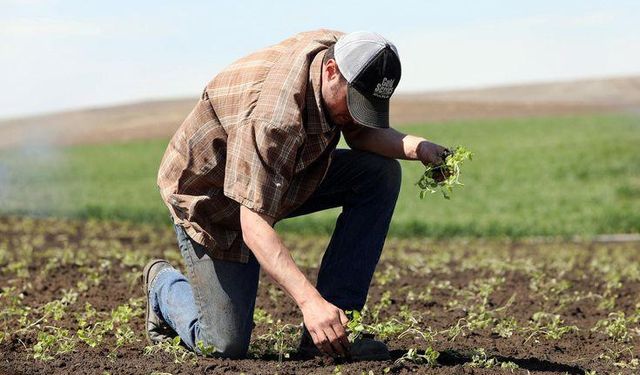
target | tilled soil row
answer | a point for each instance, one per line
(483, 307)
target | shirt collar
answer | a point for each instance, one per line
(315, 109)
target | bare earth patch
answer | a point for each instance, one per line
(71, 302)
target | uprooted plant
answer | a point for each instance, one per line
(445, 176)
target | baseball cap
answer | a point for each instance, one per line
(371, 66)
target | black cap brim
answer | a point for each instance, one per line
(365, 111)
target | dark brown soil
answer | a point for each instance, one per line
(568, 279)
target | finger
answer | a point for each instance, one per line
(343, 318)
(341, 334)
(325, 345)
(336, 345)
(317, 342)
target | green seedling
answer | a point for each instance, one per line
(509, 366)
(387, 329)
(616, 326)
(281, 338)
(429, 357)
(205, 350)
(173, 347)
(124, 335)
(451, 169)
(548, 325)
(506, 327)
(456, 330)
(480, 359)
(632, 364)
(355, 325)
(614, 356)
(427, 334)
(260, 316)
(59, 341)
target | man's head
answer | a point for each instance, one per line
(359, 74)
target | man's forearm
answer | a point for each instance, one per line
(386, 142)
(274, 257)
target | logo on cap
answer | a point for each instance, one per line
(384, 89)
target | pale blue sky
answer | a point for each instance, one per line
(57, 54)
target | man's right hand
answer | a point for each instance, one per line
(326, 324)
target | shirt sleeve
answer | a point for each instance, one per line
(260, 163)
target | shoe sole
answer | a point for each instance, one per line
(145, 287)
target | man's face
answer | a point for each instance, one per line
(334, 95)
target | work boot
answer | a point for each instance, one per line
(363, 348)
(156, 329)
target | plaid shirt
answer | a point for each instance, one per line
(257, 137)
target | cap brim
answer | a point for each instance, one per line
(366, 111)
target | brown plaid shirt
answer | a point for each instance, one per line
(257, 137)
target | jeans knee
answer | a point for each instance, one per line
(389, 174)
(233, 347)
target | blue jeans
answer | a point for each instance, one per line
(215, 304)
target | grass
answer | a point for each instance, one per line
(560, 176)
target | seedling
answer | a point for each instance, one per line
(59, 341)
(506, 327)
(509, 366)
(616, 326)
(281, 337)
(355, 325)
(450, 170)
(205, 350)
(429, 357)
(260, 316)
(549, 325)
(480, 359)
(173, 347)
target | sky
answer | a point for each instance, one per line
(65, 54)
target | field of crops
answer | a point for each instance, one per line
(507, 277)
(561, 176)
(71, 302)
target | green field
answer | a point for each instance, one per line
(546, 176)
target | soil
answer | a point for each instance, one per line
(78, 246)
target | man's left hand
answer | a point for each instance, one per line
(434, 155)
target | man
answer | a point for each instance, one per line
(260, 147)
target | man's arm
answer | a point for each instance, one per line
(323, 320)
(393, 144)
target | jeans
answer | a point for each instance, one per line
(215, 304)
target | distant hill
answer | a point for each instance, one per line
(621, 94)
(153, 119)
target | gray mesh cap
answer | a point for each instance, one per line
(371, 66)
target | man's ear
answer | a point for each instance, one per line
(332, 69)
